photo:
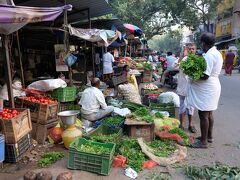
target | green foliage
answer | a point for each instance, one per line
(193, 66)
(167, 42)
(217, 171)
(113, 120)
(93, 148)
(162, 148)
(181, 133)
(143, 114)
(49, 158)
(132, 151)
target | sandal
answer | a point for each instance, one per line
(192, 129)
(209, 140)
(199, 145)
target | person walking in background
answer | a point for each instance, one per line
(108, 59)
(182, 89)
(229, 62)
(204, 94)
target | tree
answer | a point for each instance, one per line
(149, 15)
(170, 41)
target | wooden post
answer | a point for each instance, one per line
(8, 73)
(20, 60)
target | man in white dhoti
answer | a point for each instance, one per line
(204, 94)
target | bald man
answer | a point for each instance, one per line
(93, 104)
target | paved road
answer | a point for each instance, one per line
(226, 147)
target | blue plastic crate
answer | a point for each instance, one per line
(2, 148)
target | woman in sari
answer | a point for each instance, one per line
(229, 62)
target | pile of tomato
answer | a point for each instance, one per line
(8, 114)
(39, 100)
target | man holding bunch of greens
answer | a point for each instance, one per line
(204, 94)
(182, 89)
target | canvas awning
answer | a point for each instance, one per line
(95, 35)
(13, 18)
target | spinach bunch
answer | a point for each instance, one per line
(114, 121)
(93, 148)
(49, 158)
(132, 151)
(143, 114)
(194, 66)
(162, 148)
(181, 133)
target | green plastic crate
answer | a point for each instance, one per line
(169, 107)
(106, 130)
(66, 94)
(100, 164)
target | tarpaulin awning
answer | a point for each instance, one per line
(13, 18)
(133, 29)
(95, 35)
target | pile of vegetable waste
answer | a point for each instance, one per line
(162, 148)
(193, 66)
(49, 158)
(217, 171)
(132, 151)
(93, 148)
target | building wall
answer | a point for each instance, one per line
(236, 19)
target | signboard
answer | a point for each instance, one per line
(59, 57)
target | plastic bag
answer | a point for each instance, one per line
(70, 59)
(149, 164)
(119, 161)
(47, 85)
(129, 172)
(169, 97)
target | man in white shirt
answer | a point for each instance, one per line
(204, 94)
(171, 65)
(108, 59)
(182, 89)
(93, 104)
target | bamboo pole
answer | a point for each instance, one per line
(8, 74)
(20, 60)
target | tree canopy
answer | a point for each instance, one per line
(157, 16)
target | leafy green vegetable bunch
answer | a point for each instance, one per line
(194, 66)
(49, 158)
(115, 120)
(93, 148)
(132, 151)
(181, 133)
(143, 114)
(217, 171)
(104, 138)
(147, 67)
(162, 148)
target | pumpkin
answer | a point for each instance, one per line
(56, 134)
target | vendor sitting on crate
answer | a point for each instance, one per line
(93, 104)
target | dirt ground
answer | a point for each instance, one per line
(225, 149)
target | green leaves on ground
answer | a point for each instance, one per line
(132, 151)
(162, 148)
(194, 66)
(49, 158)
(217, 171)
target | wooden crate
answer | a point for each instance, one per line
(147, 76)
(40, 113)
(40, 132)
(140, 129)
(17, 127)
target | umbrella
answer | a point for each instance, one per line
(133, 29)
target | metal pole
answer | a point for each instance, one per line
(8, 74)
(20, 60)
(93, 60)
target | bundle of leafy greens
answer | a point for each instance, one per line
(113, 120)
(162, 148)
(133, 152)
(49, 158)
(147, 66)
(193, 66)
(181, 133)
(143, 114)
(93, 148)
